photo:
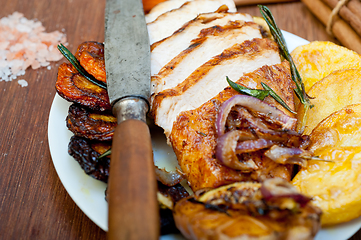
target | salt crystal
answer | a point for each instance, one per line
(23, 83)
(24, 43)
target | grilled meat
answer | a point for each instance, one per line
(165, 50)
(210, 79)
(201, 51)
(194, 137)
(169, 22)
(159, 9)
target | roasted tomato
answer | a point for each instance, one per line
(72, 86)
(93, 125)
(91, 58)
(248, 210)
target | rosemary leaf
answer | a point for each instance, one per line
(278, 36)
(71, 58)
(276, 97)
(257, 93)
(106, 153)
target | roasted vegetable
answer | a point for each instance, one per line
(248, 210)
(86, 153)
(90, 124)
(91, 57)
(73, 87)
(316, 60)
(335, 185)
(332, 93)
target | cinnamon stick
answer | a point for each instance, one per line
(341, 30)
(355, 7)
(346, 13)
(253, 2)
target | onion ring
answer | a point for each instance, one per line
(276, 188)
(256, 105)
(286, 155)
(170, 178)
(226, 150)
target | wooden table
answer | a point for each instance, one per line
(33, 202)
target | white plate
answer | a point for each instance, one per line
(88, 193)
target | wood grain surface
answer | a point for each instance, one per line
(33, 202)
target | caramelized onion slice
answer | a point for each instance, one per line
(253, 104)
(277, 188)
(286, 155)
(168, 178)
(226, 150)
(253, 145)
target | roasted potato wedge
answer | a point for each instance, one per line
(335, 186)
(244, 210)
(337, 90)
(316, 60)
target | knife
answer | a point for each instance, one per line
(132, 200)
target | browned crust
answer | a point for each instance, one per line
(194, 139)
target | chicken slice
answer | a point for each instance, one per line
(194, 138)
(167, 23)
(210, 79)
(163, 7)
(165, 50)
(212, 42)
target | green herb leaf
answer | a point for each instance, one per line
(278, 36)
(72, 59)
(276, 97)
(257, 93)
(107, 153)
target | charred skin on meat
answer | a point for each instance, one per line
(90, 124)
(194, 137)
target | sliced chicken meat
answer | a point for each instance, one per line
(165, 50)
(169, 22)
(194, 137)
(210, 79)
(163, 7)
(212, 42)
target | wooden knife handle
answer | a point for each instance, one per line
(132, 186)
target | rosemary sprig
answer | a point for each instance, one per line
(276, 97)
(71, 58)
(278, 36)
(259, 93)
(106, 153)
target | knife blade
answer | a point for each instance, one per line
(133, 207)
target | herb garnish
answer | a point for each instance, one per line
(278, 36)
(106, 153)
(71, 58)
(259, 93)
